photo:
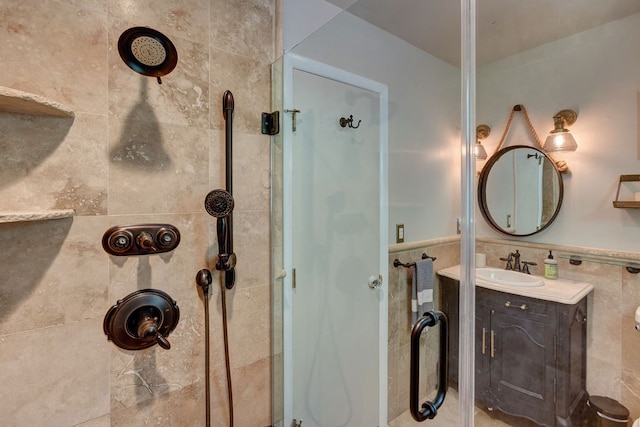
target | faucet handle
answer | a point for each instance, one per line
(526, 264)
(508, 259)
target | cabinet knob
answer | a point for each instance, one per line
(522, 307)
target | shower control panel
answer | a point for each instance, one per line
(140, 239)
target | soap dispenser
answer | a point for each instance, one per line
(550, 267)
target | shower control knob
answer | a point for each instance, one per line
(166, 238)
(120, 241)
(148, 326)
(145, 241)
(142, 319)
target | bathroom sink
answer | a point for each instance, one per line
(508, 277)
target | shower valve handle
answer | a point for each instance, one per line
(145, 241)
(148, 327)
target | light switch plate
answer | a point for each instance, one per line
(399, 233)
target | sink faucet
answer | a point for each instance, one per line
(513, 263)
(525, 266)
(516, 262)
(509, 259)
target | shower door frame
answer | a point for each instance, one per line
(293, 62)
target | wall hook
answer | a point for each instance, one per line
(349, 122)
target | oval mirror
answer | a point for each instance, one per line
(520, 191)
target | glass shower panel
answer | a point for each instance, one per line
(424, 181)
(336, 236)
(544, 358)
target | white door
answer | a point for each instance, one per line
(336, 247)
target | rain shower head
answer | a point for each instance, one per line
(147, 52)
(219, 203)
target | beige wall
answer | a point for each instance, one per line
(136, 152)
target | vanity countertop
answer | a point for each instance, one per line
(563, 291)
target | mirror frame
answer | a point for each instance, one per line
(482, 190)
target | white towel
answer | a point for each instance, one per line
(421, 289)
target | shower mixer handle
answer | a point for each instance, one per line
(148, 326)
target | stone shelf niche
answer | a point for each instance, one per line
(15, 101)
(23, 216)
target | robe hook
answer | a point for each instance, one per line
(349, 122)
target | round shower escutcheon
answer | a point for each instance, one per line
(142, 319)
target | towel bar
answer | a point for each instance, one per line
(397, 263)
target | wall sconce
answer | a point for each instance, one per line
(482, 132)
(559, 138)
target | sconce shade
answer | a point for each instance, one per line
(482, 132)
(479, 151)
(559, 138)
(561, 141)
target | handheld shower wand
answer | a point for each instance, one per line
(219, 204)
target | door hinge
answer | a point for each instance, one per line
(293, 278)
(271, 123)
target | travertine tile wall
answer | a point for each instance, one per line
(136, 152)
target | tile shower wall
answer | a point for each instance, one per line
(136, 152)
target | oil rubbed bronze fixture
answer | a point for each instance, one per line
(142, 319)
(344, 122)
(140, 239)
(147, 52)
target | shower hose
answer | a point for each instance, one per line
(226, 351)
(206, 357)
(204, 280)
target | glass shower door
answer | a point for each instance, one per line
(336, 239)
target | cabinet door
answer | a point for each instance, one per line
(522, 370)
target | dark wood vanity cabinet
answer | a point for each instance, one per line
(530, 354)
